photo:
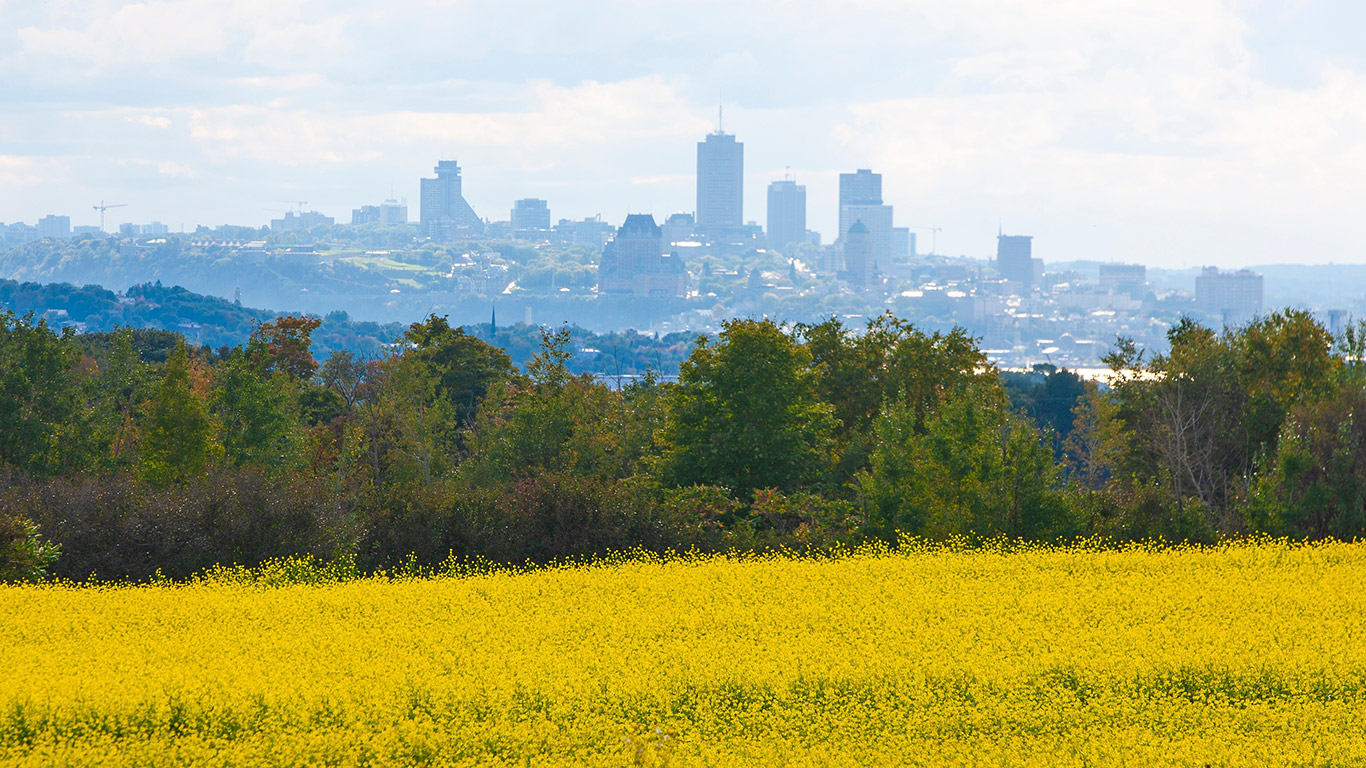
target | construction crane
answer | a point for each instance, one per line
(300, 203)
(934, 236)
(102, 208)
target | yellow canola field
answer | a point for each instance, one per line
(1248, 654)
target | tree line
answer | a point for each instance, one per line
(127, 454)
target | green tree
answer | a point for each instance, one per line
(889, 361)
(178, 432)
(344, 374)
(42, 415)
(257, 409)
(420, 420)
(121, 389)
(464, 366)
(1200, 417)
(553, 420)
(746, 414)
(974, 467)
(1047, 395)
(1314, 485)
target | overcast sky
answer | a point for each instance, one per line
(1173, 132)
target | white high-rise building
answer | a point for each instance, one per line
(861, 200)
(442, 210)
(55, 227)
(1232, 296)
(862, 187)
(720, 182)
(786, 214)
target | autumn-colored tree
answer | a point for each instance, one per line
(283, 345)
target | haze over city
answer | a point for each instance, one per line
(1173, 134)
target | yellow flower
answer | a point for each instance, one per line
(1243, 654)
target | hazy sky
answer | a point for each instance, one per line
(1176, 132)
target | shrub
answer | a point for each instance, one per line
(24, 554)
(560, 515)
(117, 527)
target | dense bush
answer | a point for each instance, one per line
(118, 527)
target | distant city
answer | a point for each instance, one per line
(692, 270)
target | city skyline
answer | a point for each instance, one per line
(1172, 134)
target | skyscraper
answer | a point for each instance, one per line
(861, 200)
(392, 213)
(443, 212)
(903, 243)
(720, 182)
(786, 214)
(1014, 259)
(877, 218)
(860, 188)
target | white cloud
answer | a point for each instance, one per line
(1146, 114)
(556, 120)
(19, 171)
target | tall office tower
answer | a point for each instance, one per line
(720, 182)
(1014, 259)
(443, 212)
(634, 262)
(1232, 296)
(786, 214)
(55, 227)
(861, 188)
(859, 262)
(392, 213)
(861, 200)
(878, 221)
(530, 213)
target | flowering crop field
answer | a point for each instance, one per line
(1248, 654)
